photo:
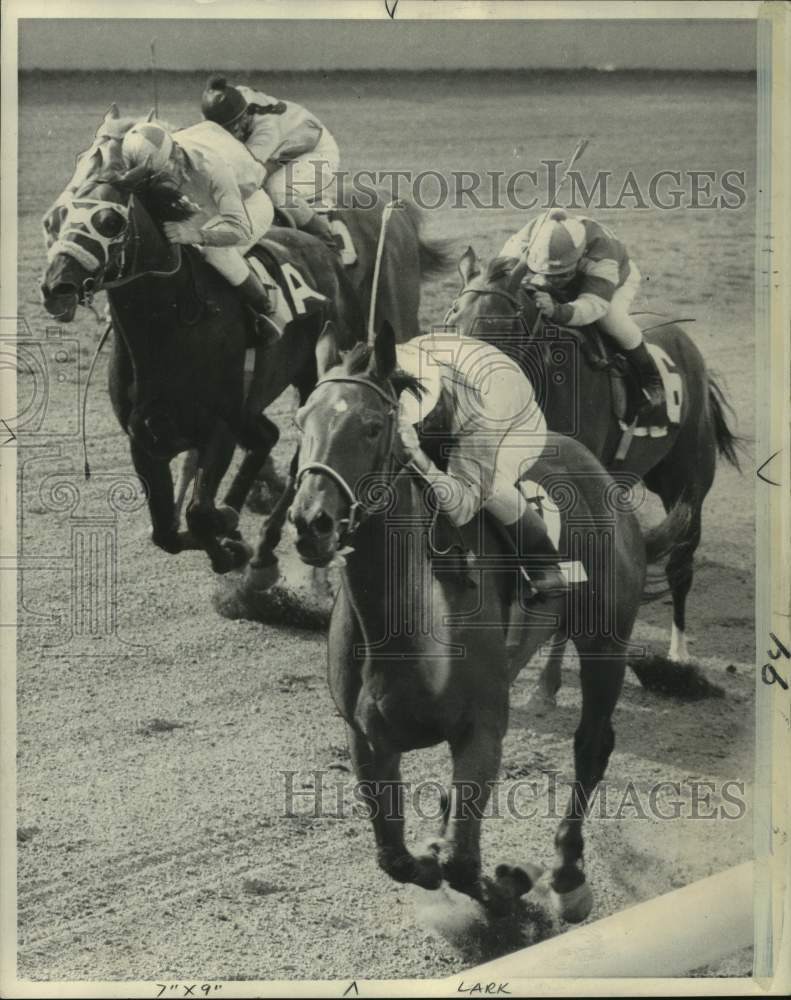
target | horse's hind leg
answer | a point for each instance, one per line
(601, 681)
(679, 572)
(264, 570)
(380, 785)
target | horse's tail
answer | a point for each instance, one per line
(727, 441)
(661, 540)
(435, 256)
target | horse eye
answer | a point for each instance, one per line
(108, 222)
(373, 428)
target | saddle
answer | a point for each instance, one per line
(602, 353)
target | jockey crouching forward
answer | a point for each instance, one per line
(498, 432)
(219, 176)
(298, 153)
(583, 263)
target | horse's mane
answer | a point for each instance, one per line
(157, 193)
(357, 360)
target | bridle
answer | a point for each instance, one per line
(495, 292)
(358, 510)
(81, 212)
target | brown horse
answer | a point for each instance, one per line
(574, 388)
(417, 650)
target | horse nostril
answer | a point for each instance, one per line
(322, 523)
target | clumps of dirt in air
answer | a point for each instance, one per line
(685, 681)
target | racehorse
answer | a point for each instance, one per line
(407, 259)
(417, 651)
(574, 387)
(176, 371)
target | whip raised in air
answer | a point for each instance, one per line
(388, 211)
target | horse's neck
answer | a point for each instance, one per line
(153, 252)
(387, 574)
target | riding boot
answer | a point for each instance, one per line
(651, 385)
(532, 543)
(318, 226)
(256, 427)
(256, 295)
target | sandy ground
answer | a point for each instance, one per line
(154, 827)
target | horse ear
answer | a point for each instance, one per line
(383, 359)
(151, 115)
(468, 266)
(112, 111)
(327, 353)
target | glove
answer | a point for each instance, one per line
(183, 232)
(409, 438)
(545, 303)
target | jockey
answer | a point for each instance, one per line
(299, 155)
(498, 431)
(586, 266)
(217, 173)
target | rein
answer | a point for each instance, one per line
(358, 511)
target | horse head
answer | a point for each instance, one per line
(93, 229)
(492, 303)
(97, 224)
(87, 225)
(349, 446)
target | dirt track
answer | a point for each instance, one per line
(154, 840)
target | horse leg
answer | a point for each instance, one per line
(206, 522)
(379, 776)
(601, 681)
(476, 759)
(257, 470)
(679, 572)
(155, 473)
(263, 570)
(187, 469)
(551, 676)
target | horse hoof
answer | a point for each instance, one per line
(227, 520)
(170, 542)
(260, 500)
(262, 577)
(573, 906)
(427, 872)
(240, 552)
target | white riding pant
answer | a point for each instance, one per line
(502, 431)
(229, 261)
(307, 175)
(617, 321)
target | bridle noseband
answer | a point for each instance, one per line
(358, 511)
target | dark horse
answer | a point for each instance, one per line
(574, 389)
(417, 651)
(176, 371)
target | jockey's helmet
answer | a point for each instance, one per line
(556, 245)
(147, 143)
(222, 103)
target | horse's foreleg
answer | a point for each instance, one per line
(155, 473)
(205, 521)
(594, 740)
(263, 570)
(476, 759)
(381, 788)
(187, 469)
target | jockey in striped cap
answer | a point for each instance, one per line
(586, 276)
(298, 153)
